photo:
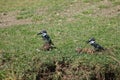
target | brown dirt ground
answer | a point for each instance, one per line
(80, 7)
(9, 19)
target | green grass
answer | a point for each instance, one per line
(19, 42)
(25, 14)
(87, 1)
(116, 3)
(88, 12)
(103, 6)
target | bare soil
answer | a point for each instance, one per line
(80, 7)
(9, 19)
(108, 12)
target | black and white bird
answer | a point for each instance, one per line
(45, 37)
(96, 46)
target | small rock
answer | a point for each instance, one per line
(4, 13)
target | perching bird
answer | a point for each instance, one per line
(96, 46)
(45, 37)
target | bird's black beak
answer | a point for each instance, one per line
(39, 33)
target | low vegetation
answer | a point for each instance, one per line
(70, 23)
